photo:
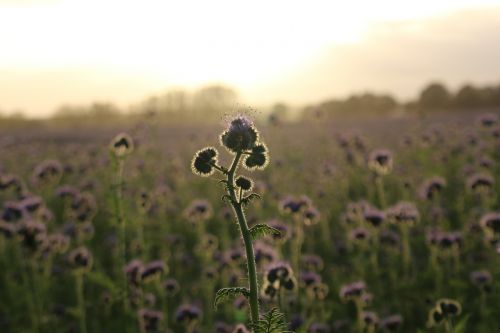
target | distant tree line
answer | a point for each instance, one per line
(434, 97)
(211, 103)
(437, 96)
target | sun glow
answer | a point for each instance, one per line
(188, 43)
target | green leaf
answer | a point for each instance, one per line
(461, 325)
(246, 200)
(103, 281)
(261, 230)
(226, 294)
(271, 322)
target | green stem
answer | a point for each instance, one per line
(247, 238)
(379, 182)
(121, 224)
(405, 231)
(81, 302)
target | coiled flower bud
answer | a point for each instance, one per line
(244, 183)
(258, 158)
(204, 161)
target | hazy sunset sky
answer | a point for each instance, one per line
(70, 51)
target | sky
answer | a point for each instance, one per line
(55, 52)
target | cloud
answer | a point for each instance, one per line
(400, 57)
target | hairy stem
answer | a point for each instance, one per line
(247, 238)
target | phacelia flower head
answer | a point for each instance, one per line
(449, 307)
(133, 271)
(431, 188)
(48, 171)
(199, 210)
(150, 320)
(317, 291)
(380, 161)
(403, 213)
(187, 313)
(391, 323)
(488, 119)
(490, 222)
(153, 270)
(171, 287)
(80, 259)
(370, 319)
(444, 309)
(240, 135)
(312, 262)
(277, 276)
(295, 205)
(374, 217)
(204, 161)
(122, 145)
(12, 211)
(481, 279)
(33, 234)
(480, 183)
(352, 290)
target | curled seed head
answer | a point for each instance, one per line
(204, 161)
